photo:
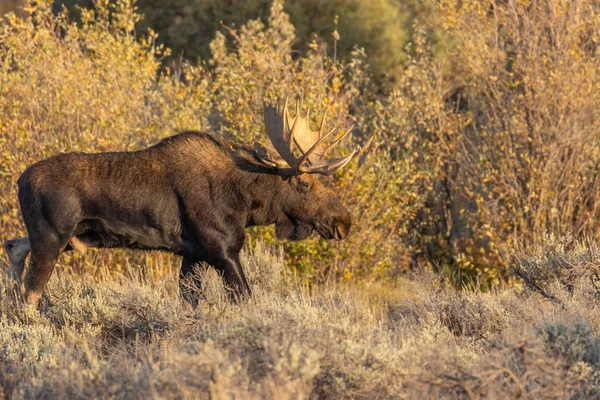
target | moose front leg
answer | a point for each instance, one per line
(220, 246)
(229, 267)
(190, 282)
(233, 273)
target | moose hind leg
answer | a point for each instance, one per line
(51, 218)
(44, 254)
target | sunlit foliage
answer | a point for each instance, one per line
(495, 141)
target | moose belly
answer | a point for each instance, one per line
(102, 233)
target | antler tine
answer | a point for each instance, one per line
(291, 138)
(323, 122)
(341, 163)
(365, 146)
(315, 146)
(331, 166)
(284, 111)
(307, 121)
(339, 139)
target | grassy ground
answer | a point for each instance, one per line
(115, 336)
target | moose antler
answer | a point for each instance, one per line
(285, 131)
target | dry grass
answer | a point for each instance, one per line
(131, 337)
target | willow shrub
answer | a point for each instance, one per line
(378, 190)
(524, 159)
(496, 142)
(509, 125)
(92, 86)
(95, 86)
(65, 87)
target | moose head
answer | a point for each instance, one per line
(307, 205)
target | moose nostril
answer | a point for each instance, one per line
(336, 232)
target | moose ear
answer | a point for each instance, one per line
(264, 156)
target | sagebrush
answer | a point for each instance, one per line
(130, 336)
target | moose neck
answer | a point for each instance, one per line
(268, 195)
(267, 192)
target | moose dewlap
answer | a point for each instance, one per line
(191, 194)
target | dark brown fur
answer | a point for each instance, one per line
(190, 194)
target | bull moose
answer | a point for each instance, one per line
(191, 194)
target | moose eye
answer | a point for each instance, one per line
(303, 185)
